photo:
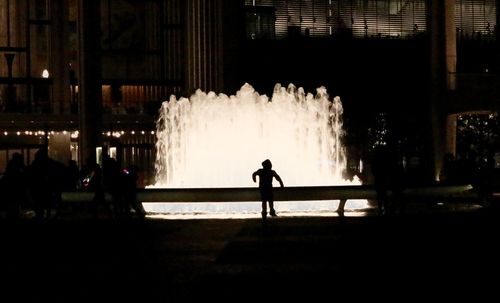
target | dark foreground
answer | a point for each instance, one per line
(309, 259)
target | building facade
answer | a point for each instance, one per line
(87, 77)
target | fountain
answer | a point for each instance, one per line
(214, 141)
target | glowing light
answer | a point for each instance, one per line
(45, 73)
(200, 137)
(214, 140)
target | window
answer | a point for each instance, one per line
(475, 19)
(260, 22)
(398, 19)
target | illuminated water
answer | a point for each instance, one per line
(212, 140)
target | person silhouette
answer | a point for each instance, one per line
(266, 175)
(389, 179)
(14, 185)
(131, 177)
(382, 179)
(45, 177)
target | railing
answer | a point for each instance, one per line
(35, 96)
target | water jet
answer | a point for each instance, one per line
(216, 141)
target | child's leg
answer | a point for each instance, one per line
(272, 212)
(264, 208)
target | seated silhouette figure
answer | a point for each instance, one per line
(266, 175)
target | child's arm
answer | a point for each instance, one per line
(254, 175)
(278, 178)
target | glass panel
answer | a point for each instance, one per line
(260, 22)
(3, 22)
(13, 98)
(39, 50)
(31, 155)
(123, 25)
(475, 19)
(3, 160)
(112, 152)
(477, 134)
(18, 24)
(41, 98)
(74, 151)
(98, 155)
(73, 12)
(39, 10)
(13, 151)
(12, 23)
(130, 34)
(362, 18)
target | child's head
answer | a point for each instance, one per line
(267, 164)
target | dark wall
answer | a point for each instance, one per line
(233, 20)
(370, 76)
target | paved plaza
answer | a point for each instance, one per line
(422, 255)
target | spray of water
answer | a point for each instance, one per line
(212, 140)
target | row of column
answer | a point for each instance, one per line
(204, 54)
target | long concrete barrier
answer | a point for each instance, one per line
(253, 194)
(248, 194)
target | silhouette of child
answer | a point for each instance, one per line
(266, 175)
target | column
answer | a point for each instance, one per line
(89, 80)
(451, 134)
(58, 54)
(497, 36)
(443, 56)
(451, 73)
(204, 45)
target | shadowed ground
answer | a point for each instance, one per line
(425, 256)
